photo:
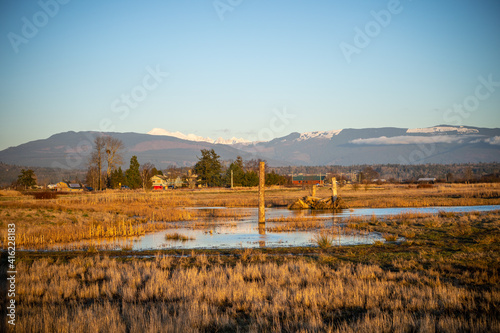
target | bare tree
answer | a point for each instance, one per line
(107, 152)
(468, 175)
(113, 150)
(97, 158)
(92, 177)
(146, 174)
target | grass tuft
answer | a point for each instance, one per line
(178, 237)
(324, 239)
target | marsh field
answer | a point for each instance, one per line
(429, 272)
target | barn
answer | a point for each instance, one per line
(308, 180)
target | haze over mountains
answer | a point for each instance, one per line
(439, 144)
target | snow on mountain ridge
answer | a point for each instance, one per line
(194, 137)
(318, 135)
(439, 129)
(231, 141)
(179, 135)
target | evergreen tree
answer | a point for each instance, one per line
(133, 174)
(238, 172)
(26, 178)
(274, 179)
(208, 168)
(117, 178)
(251, 178)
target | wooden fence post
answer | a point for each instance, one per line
(262, 182)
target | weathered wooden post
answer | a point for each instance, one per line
(334, 187)
(313, 194)
(262, 182)
(231, 178)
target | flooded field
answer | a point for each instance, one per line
(243, 231)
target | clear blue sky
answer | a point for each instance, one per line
(231, 67)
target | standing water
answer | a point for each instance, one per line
(244, 232)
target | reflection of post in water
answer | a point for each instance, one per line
(262, 231)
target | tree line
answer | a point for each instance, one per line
(450, 173)
(104, 170)
(239, 173)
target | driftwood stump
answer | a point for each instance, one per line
(309, 202)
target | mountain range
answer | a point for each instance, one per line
(441, 144)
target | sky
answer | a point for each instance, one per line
(245, 68)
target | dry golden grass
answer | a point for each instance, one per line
(375, 196)
(172, 294)
(295, 226)
(40, 226)
(110, 214)
(411, 196)
(10, 193)
(390, 237)
(444, 279)
(221, 214)
(297, 219)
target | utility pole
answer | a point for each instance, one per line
(231, 178)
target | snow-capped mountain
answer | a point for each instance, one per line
(388, 145)
(437, 144)
(318, 135)
(443, 129)
(179, 135)
(231, 141)
(194, 137)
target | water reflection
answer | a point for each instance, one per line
(215, 232)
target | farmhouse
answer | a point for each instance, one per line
(69, 187)
(308, 180)
(161, 182)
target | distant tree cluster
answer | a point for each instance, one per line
(210, 172)
(43, 175)
(106, 156)
(105, 170)
(460, 173)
